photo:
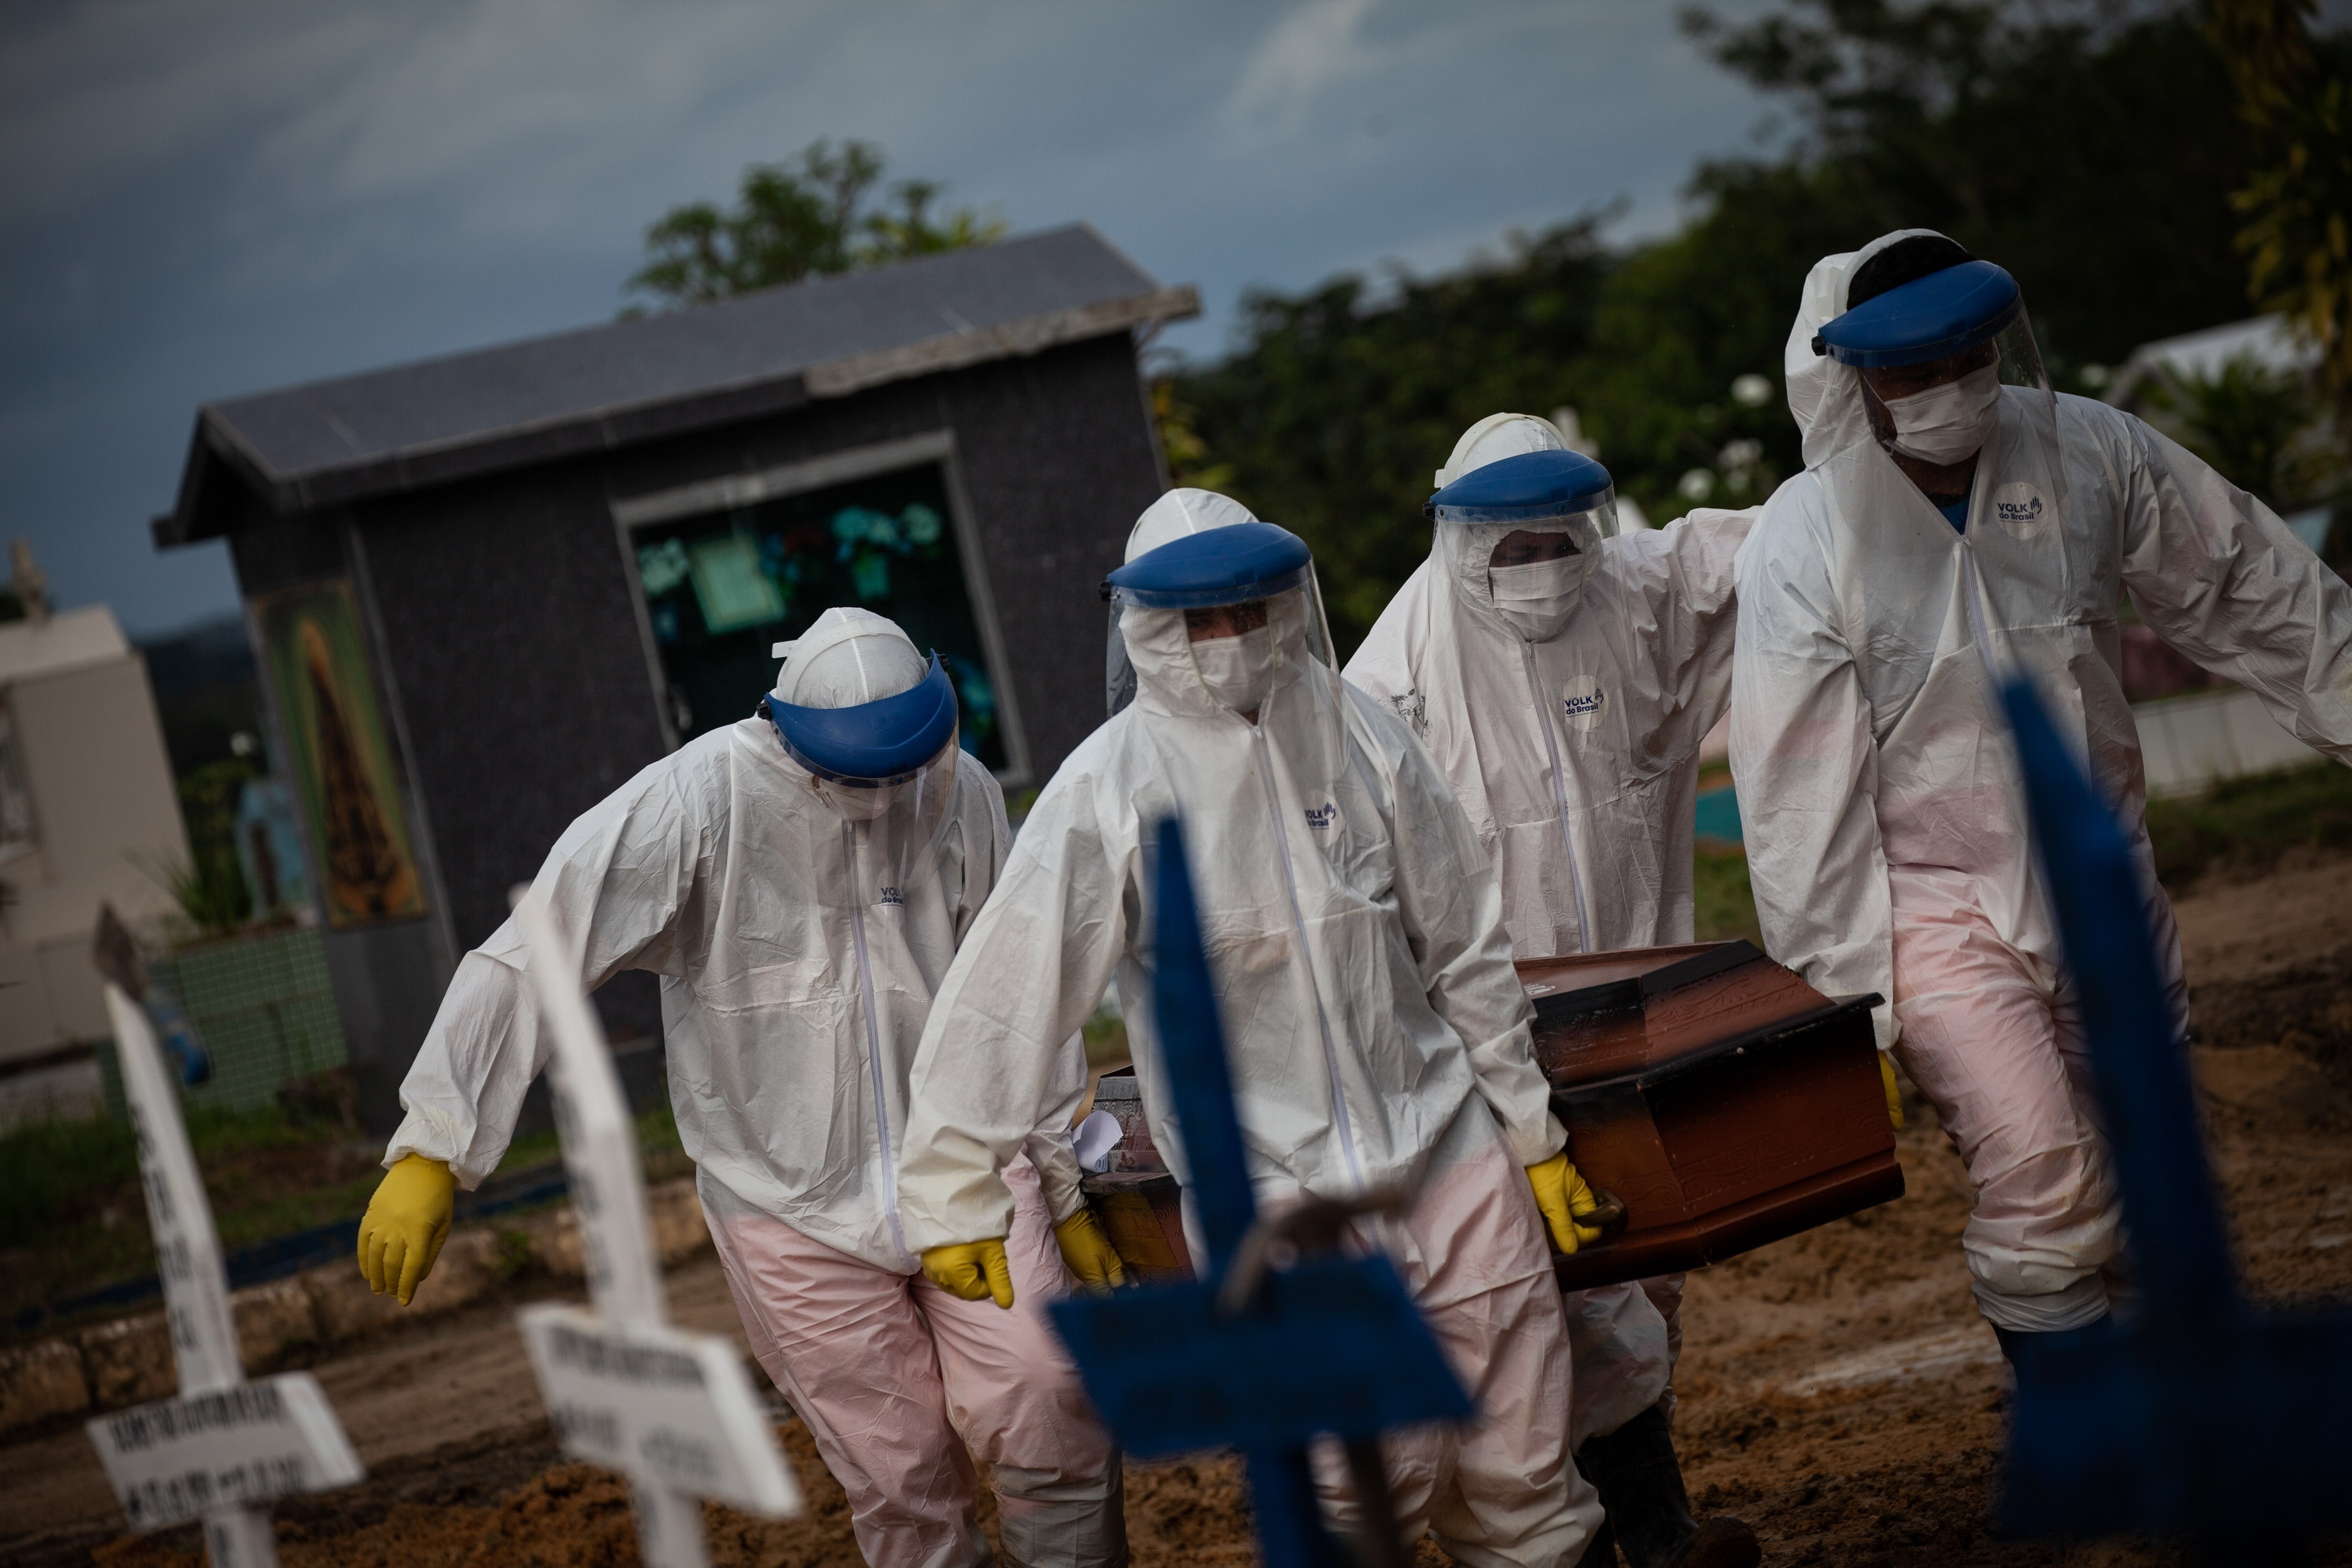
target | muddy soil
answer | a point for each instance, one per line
(1837, 1390)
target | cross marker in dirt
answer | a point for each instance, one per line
(224, 1447)
(2196, 1413)
(672, 1410)
(1266, 1357)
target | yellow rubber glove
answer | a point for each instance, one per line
(1093, 1261)
(1564, 1198)
(974, 1270)
(1893, 1090)
(405, 1224)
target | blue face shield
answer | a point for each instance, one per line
(871, 744)
(883, 779)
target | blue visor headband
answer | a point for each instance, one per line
(872, 743)
(1929, 318)
(1228, 565)
(1533, 487)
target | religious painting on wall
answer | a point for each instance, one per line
(339, 755)
(722, 587)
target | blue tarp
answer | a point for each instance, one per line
(1718, 814)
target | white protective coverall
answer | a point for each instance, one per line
(790, 1018)
(1376, 1029)
(1587, 809)
(1887, 836)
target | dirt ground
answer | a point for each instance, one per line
(1837, 1391)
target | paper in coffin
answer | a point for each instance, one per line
(1723, 1100)
(1136, 1201)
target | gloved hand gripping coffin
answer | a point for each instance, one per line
(1721, 1100)
(1135, 1200)
(1715, 1099)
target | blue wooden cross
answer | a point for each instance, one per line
(1332, 1345)
(2192, 1414)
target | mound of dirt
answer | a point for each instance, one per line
(1837, 1390)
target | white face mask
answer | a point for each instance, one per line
(1950, 423)
(1538, 597)
(1237, 670)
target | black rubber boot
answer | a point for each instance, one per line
(1601, 1552)
(2013, 1340)
(1641, 1486)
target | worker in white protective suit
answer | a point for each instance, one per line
(799, 879)
(1355, 933)
(1562, 676)
(1958, 524)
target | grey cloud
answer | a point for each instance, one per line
(201, 198)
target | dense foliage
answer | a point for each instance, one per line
(2298, 203)
(2091, 147)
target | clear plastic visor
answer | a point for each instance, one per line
(1554, 555)
(874, 843)
(1118, 669)
(1994, 394)
(1481, 545)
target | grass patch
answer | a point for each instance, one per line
(77, 1219)
(1106, 1037)
(1725, 904)
(2244, 826)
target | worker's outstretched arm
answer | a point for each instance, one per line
(1806, 764)
(2222, 579)
(1681, 578)
(991, 1070)
(617, 878)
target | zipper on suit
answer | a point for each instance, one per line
(1558, 795)
(1339, 1121)
(874, 1057)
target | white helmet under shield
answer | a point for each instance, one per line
(1225, 625)
(1183, 514)
(875, 727)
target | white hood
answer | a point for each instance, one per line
(1824, 395)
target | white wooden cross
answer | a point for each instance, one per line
(672, 1410)
(225, 1447)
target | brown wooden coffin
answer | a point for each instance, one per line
(1137, 1201)
(1723, 1100)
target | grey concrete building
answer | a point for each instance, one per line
(486, 589)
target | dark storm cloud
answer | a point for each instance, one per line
(203, 197)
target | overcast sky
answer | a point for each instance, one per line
(205, 197)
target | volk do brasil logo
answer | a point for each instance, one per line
(1581, 702)
(2019, 510)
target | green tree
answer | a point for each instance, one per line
(2265, 430)
(2298, 203)
(2089, 146)
(809, 217)
(209, 887)
(1343, 400)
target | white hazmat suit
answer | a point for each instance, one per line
(1573, 741)
(791, 1013)
(1886, 832)
(1377, 1031)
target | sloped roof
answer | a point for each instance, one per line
(603, 386)
(2267, 340)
